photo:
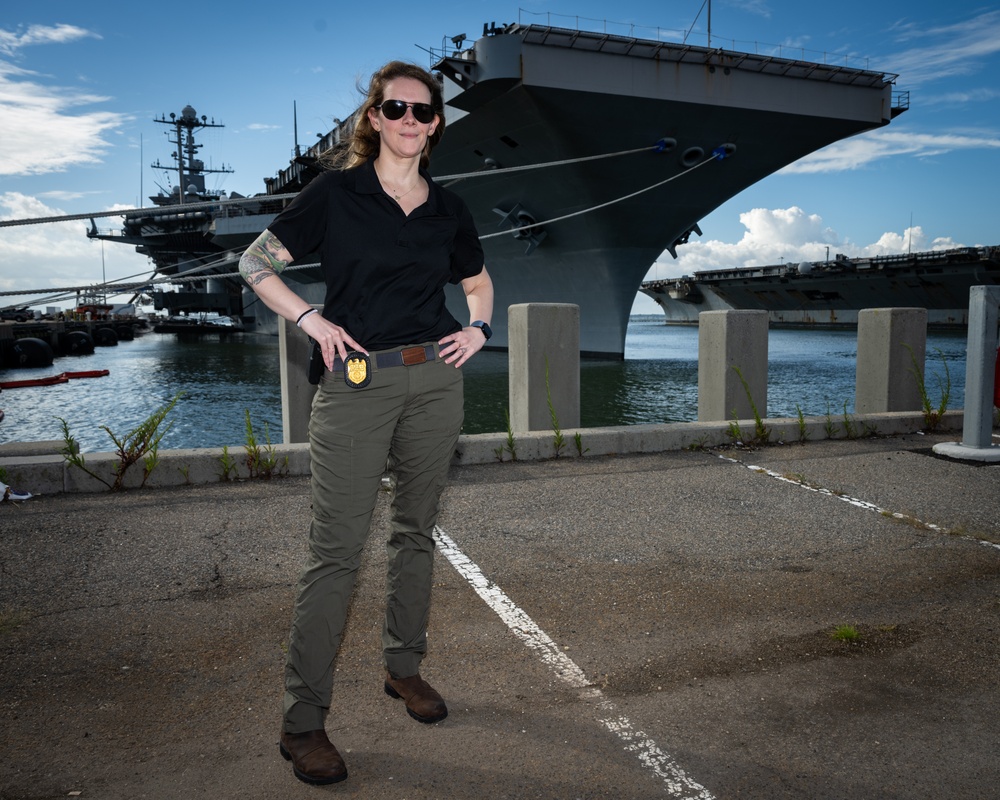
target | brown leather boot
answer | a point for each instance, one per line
(423, 703)
(314, 758)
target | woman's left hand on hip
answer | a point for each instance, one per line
(457, 348)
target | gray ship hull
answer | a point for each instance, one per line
(831, 294)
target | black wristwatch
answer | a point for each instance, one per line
(484, 327)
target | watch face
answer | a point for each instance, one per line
(487, 331)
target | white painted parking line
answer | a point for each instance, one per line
(677, 783)
(854, 501)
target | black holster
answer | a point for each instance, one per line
(316, 365)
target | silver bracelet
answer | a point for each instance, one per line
(305, 314)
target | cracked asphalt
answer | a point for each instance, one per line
(142, 634)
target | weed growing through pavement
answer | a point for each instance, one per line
(849, 430)
(733, 431)
(139, 444)
(762, 433)
(845, 633)
(511, 444)
(229, 465)
(829, 426)
(261, 460)
(803, 430)
(932, 416)
(558, 440)
(578, 443)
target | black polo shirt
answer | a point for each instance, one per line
(385, 272)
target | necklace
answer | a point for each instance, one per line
(392, 191)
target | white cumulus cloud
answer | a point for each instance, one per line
(787, 235)
(59, 253)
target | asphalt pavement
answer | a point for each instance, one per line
(813, 620)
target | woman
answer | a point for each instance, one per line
(389, 240)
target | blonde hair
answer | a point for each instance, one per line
(363, 142)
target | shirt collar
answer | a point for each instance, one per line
(367, 182)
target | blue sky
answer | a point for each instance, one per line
(80, 84)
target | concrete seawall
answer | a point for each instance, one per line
(39, 468)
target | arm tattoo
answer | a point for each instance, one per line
(263, 259)
(254, 269)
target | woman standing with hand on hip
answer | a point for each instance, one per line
(389, 240)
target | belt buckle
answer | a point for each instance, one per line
(357, 370)
(413, 355)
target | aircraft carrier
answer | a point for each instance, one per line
(830, 294)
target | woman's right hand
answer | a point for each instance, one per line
(331, 338)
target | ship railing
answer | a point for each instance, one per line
(618, 34)
(669, 283)
(671, 45)
(931, 256)
(106, 233)
(250, 207)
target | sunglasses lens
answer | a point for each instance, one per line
(396, 109)
(423, 113)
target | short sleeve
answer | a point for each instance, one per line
(301, 227)
(467, 258)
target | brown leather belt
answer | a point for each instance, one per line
(408, 357)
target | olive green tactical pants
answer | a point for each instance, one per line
(408, 418)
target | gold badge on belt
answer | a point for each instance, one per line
(357, 370)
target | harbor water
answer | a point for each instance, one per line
(225, 380)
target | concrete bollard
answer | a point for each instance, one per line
(543, 335)
(979, 365)
(889, 341)
(728, 339)
(980, 373)
(297, 393)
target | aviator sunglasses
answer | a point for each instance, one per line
(396, 109)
